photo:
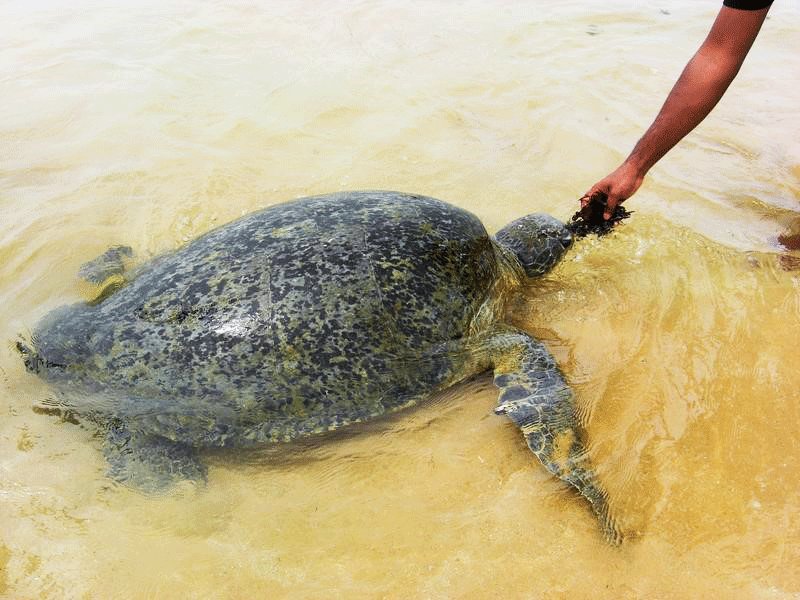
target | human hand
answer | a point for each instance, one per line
(618, 187)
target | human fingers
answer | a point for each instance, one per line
(611, 203)
(587, 197)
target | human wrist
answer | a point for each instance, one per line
(636, 166)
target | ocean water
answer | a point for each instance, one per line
(150, 123)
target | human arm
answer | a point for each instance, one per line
(701, 85)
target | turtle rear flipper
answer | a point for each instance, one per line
(535, 396)
(110, 263)
(150, 463)
(106, 273)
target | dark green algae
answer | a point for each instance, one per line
(590, 218)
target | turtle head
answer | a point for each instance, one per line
(538, 241)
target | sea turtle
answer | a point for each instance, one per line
(305, 317)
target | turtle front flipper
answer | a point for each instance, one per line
(535, 396)
(150, 463)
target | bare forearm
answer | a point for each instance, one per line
(701, 85)
(697, 91)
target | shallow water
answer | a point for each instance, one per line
(151, 123)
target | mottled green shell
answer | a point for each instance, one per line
(291, 320)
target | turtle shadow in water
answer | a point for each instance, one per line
(346, 445)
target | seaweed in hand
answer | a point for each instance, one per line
(590, 219)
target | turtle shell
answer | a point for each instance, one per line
(299, 318)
